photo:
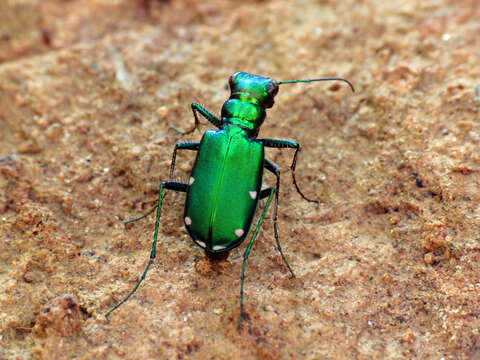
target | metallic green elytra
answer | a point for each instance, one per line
(225, 185)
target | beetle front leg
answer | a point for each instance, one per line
(273, 143)
(206, 114)
(171, 185)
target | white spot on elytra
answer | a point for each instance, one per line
(219, 247)
(201, 243)
(253, 194)
(239, 232)
(188, 221)
(190, 182)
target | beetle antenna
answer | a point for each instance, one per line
(319, 79)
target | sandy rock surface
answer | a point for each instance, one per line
(387, 265)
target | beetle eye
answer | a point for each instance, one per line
(272, 88)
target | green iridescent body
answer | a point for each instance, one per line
(225, 184)
(224, 187)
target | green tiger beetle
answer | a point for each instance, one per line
(225, 184)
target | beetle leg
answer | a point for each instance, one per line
(267, 192)
(274, 169)
(182, 146)
(273, 143)
(178, 146)
(140, 217)
(206, 114)
(171, 185)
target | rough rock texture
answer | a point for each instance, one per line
(387, 265)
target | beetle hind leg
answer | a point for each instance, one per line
(170, 185)
(265, 193)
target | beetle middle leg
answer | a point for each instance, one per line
(170, 185)
(141, 216)
(179, 146)
(274, 143)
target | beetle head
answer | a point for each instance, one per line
(250, 95)
(253, 88)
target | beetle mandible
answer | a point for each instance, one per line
(225, 184)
